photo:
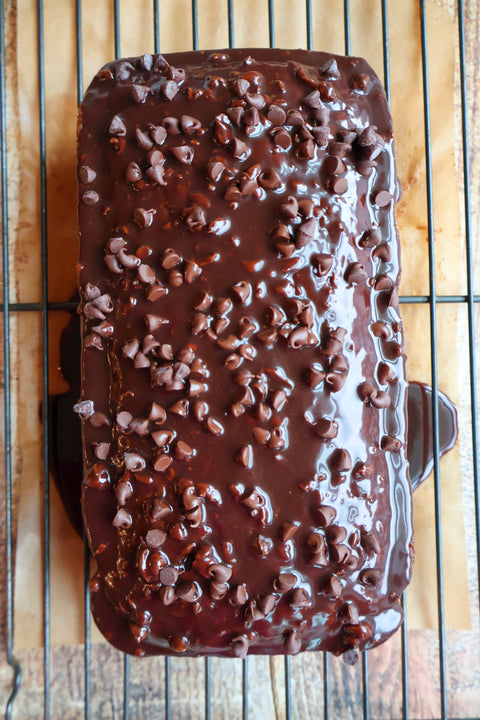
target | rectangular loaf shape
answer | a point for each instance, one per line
(243, 402)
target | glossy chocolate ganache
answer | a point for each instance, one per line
(243, 395)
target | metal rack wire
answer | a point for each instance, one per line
(44, 307)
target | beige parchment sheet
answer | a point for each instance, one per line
(251, 29)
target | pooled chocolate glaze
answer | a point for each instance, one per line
(243, 394)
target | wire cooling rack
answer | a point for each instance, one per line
(176, 702)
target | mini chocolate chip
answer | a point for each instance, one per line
(299, 598)
(390, 444)
(242, 291)
(175, 278)
(270, 180)
(333, 165)
(371, 577)
(306, 232)
(168, 575)
(298, 338)
(143, 140)
(314, 376)
(380, 399)
(322, 263)
(370, 238)
(139, 92)
(253, 612)
(276, 115)
(261, 545)
(124, 419)
(180, 408)
(266, 604)
(365, 390)
(385, 373)
(117, 127)
(122, 492)
(324, 515)
(284, 582)
(171, 125)
(157, 174)
(382, 199)
(292, 643)
(189, 591)
(281, 138)
(340, 460)
(339, 185)
(336, 534)
(191, 271)
(219, 572)
(101, 451)
(330, 69)
(183, 451)
(255, 100)
(162, 462)
(240, 87)
(215, 170)
(295, 118)
(162, 437)
(340, 150)
(189, 124)
(339, 553)
(238, 596)
(230, 343)
(261, 435)
(99, 419)
(289, 208)
(86, 175)
(155, 292)
(382, 252)
(355, 273)
(244, 457)
(239, 645)
(146, 274)
(84, 409)
(167, 595)
(183, 153)
(155, 157)
(383, 282)
(133, 461)
(236, 114)
(251, 117)
(169, 89)
(326, 428)
(112, 263)
(155, 538)
(122, 519)
(306, 150)
(240, 149)
(90, 197)
(143, 217)
(195, 218)
(370, 542)
(159, 509)
(278, 400)
(348, 613)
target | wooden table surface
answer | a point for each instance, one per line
(266, 697)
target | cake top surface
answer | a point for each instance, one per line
(243, 369)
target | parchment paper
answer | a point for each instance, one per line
(251, 29)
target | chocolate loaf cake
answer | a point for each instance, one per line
(243, 402)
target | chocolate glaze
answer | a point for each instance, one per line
(66, 435)
(239, 262)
